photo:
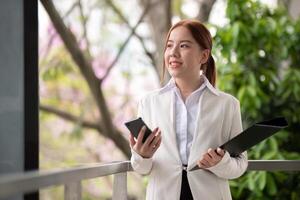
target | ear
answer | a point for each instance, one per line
(204, 56)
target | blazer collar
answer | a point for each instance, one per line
(171, 84)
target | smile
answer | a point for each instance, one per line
(175, 64)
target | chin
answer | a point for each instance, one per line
(175, 75)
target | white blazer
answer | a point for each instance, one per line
(219, 119)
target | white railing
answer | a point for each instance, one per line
(71, 178)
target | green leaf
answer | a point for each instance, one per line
(262, 180)
(273, 144)
(271, 185)
(251, 183)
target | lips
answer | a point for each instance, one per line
(175, 64)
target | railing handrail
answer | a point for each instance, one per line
(34, 180)
(30, 181)
(274, 165)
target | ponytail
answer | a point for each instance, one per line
(210, 71)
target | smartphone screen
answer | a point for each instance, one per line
(135, 126)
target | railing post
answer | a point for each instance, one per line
(73, 191)
(120, 186)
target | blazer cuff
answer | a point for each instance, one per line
(219, 167)
(230, 168)
(140, 164)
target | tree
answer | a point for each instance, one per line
(156, 10)
(103, 125)
(257, 63)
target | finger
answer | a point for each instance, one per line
(156, 139)
(214, 155)
(131, 140)
(207, 152)
(221, 152)
(208, 159)
(204, 163)
(157, 145)
(141, 136)
(200, 164)
(150, 138)
(156, 131)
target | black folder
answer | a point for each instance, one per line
(252, 136)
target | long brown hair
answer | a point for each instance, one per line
(203, 37)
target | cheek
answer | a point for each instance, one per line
(192, 64)
(166, 58)
(194, 60)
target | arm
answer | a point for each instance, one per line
(229, 167)
(141, 158)
(139, 164)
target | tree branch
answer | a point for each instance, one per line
(86, 69)
(71, 117)
(205, 7)
(126, 42)
(72, 46)
(121, 16)
(49, 44)
(159, 19)
(84, 19)
(84, 123)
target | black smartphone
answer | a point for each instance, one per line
(136, 125)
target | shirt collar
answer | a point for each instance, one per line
(209, 86)
(171, 84)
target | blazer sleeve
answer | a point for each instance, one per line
(139, 164)
(229, 167)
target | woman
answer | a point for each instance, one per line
(194, 119)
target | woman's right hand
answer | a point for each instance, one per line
(149, 147)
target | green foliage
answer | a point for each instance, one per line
(258, 59)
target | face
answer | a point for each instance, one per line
(183, 55)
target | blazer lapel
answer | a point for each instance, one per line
(166, 105)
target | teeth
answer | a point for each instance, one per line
(175, 63)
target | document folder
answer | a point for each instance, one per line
(252, 136)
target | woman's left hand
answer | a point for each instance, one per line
(211, 158)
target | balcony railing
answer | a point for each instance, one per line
(13, 184)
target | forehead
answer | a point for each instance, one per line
(181, 33)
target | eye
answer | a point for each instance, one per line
(184, 46)
(169, 45)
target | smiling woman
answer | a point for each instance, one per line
(190, 119)
(193, 45)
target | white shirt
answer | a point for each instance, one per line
(185, 117)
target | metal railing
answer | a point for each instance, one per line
(71, 178)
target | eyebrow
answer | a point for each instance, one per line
(181, 41)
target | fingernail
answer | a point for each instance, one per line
(144, 128)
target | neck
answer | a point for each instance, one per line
(186, 87)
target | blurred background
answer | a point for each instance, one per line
(98, 57)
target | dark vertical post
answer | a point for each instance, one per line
(31, 96)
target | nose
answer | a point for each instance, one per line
(175, 52)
